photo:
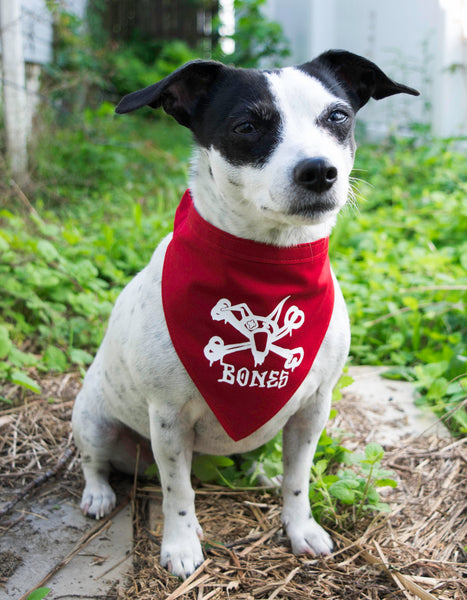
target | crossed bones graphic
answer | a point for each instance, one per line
(261, 332)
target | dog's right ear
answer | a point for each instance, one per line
(179, 94)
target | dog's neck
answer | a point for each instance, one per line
(237, 216)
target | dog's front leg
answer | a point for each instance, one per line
(300, 438)
(172, 445)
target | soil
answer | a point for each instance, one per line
(9, 562)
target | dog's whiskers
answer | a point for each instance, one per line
(355, 196)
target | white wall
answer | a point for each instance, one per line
(413, 41)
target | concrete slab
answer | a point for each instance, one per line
(389, 407)
(46, 535)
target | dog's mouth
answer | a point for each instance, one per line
(313, 209)
(303, 208)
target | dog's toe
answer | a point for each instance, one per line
(98, 500)
(183, 557)
(184, 566)
(310, 538)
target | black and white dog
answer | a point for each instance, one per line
(273, 155)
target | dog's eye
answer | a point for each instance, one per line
(245, 128)
(338, 116)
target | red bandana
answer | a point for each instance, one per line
(246, 319)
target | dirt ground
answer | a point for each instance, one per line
(418, 550)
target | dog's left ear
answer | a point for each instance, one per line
(361, 78)
(179, 94)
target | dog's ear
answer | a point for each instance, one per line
(179, 93)
(361, 78)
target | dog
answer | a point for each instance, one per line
(243, 288)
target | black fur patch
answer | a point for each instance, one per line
(240, 97)
(341, 131)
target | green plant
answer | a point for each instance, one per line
(210, 468)
(402, 267)
(339, 495)
(354, 487)
(49, 296)
(257, 39)
(129, 69)
(63, 263)
(75, 74)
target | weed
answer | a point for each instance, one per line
(354, 487)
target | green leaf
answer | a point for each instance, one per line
(47, 250)
(206, 467)
(151, 471)
(410, 302)
(372, 496)
(374, 452)
(55, 359)
(342, 492)
(320, 467)
(437, 389)
(5, 342)
(80, 357)
(386, 482)
(402, 373)
(20, 378)
(4, 245)
(20, 359)
(38, 594)
(344, 381)
(329, 479)
(460, 417)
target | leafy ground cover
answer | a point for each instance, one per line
(401, 260)
(104, 197)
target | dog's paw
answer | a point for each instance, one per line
(309, 538)
(182, 555)
(98, 500)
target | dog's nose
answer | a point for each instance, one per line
(315, 174)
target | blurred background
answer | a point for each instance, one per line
(119, 45)
(86, 195)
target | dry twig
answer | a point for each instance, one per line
(38, 481)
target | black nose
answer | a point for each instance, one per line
(315, 174)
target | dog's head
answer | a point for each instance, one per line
(277, 144)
